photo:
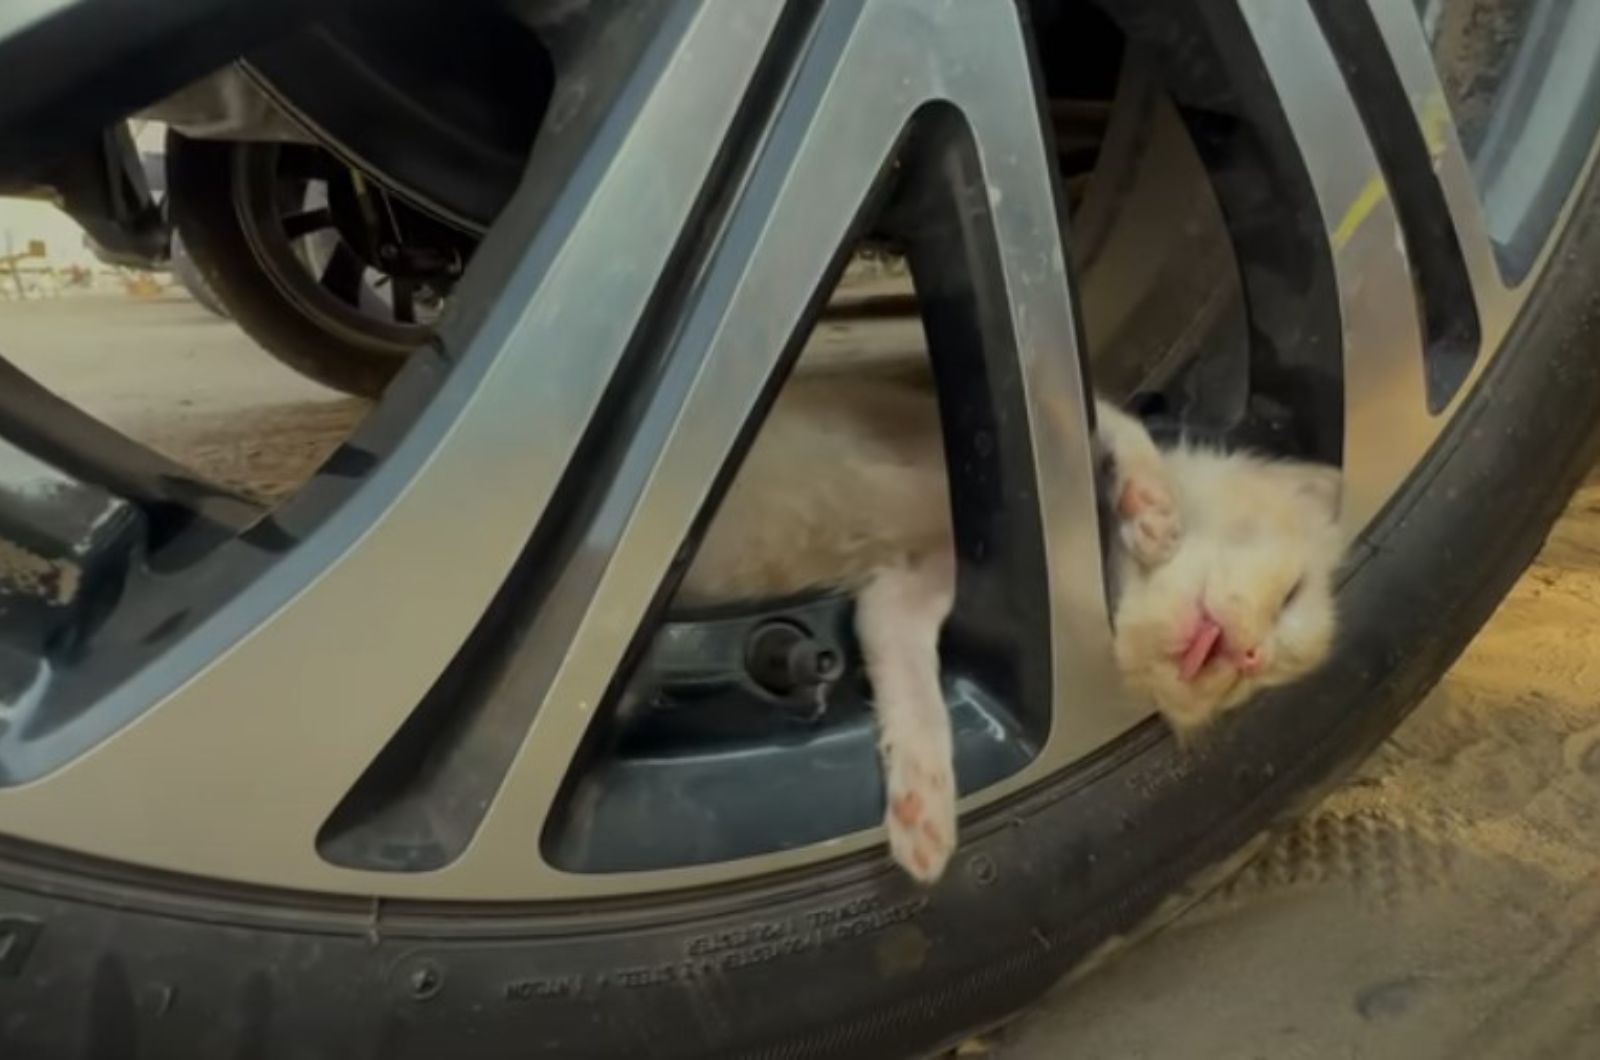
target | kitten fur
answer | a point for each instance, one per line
(1224, 562)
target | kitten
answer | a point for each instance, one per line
(1224, 564)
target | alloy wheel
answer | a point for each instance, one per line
(505, 531)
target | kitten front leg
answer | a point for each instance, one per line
(898, 616)
(1146, 503)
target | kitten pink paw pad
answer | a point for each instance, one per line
(921, 821)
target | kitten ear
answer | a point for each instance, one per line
(1318, 483)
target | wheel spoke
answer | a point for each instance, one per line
(404, 294)
(1386, 422)
(343, 274)
(1408, 51)
(305, 222)
(81, 447)
(237, 762)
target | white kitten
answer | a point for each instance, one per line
(1244, 601)
(1224, 567)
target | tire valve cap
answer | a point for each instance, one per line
(785, 660)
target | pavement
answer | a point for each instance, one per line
(1444, 902)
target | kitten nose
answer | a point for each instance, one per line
(1250, 661)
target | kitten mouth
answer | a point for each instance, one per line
(1203, 646)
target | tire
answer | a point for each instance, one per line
(848, 960)
(189, 276)
(206, 215)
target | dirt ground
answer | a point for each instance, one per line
(189, 384)
(1445, 902)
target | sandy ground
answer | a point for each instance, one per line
(190, 385)
(1444, 902)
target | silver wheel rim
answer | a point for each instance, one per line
(755, 170)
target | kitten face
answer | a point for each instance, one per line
(1246, 602)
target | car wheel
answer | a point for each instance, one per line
(423, 761)
(328, 272)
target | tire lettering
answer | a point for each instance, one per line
(727, 950)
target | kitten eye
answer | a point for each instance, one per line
(1293, 593)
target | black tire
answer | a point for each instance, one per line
(206, 215)
(188, 275)
(847, 960)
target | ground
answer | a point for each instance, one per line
(1443, 902)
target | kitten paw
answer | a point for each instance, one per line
(1151, 527)
(921, 819)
